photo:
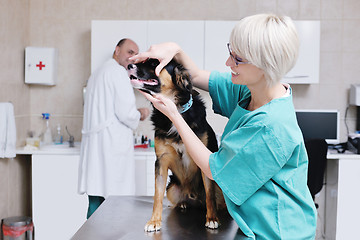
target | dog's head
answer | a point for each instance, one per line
(173, 80)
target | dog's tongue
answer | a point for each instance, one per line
(150, 81)
(136, 83)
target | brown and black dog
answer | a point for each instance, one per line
(188, 186)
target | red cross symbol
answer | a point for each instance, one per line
(40, 65)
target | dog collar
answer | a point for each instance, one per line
(187, 105)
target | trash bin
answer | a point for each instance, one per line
(17, 228)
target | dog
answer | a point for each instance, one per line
(188, 186)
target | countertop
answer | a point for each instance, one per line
(53, 149)
(64, 149)
(333, 155)
(124, 217)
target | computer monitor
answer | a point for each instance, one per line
(320, 124)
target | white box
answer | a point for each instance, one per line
(41, 65)
(355, 94)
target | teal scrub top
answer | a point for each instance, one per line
(261, 165)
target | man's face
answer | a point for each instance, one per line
(123, 53)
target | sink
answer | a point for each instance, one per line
(61, 147)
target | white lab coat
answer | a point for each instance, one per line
(107, 164)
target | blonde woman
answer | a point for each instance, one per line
(261, 164)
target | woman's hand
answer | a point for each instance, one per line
(164, 52)
(163, 104)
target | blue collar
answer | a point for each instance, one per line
(186, 106)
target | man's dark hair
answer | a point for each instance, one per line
(121, 42)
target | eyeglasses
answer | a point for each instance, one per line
(236, 59)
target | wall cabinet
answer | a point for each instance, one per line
(217, 35)
(204, 41)
(106, 34)
(307, 66)
(188, 34)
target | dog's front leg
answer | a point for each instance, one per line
(161, 174)
(212, 221)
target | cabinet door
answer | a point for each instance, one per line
(306, 69)
(58, 210)
(140, 175)
(106, 34)
(188, 34)
(217, 35)
(348, 198)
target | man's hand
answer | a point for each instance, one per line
(144, 113)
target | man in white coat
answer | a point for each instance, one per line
(107, 164)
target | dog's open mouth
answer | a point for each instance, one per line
(143, 77)
(141, 82)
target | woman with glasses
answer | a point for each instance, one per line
(261, 164)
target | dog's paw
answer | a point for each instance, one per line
(212, 224)
(152, 226)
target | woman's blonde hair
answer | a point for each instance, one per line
(269, 42)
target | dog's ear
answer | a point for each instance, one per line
(182, 78)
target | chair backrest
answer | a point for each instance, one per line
(317, 151)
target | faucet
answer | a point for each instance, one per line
(71, 138)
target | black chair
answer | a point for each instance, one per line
(317, 151)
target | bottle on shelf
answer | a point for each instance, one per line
(47, 137)
(58, 138)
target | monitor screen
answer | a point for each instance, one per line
(319, 124)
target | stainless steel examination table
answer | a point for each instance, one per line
(125, 217)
